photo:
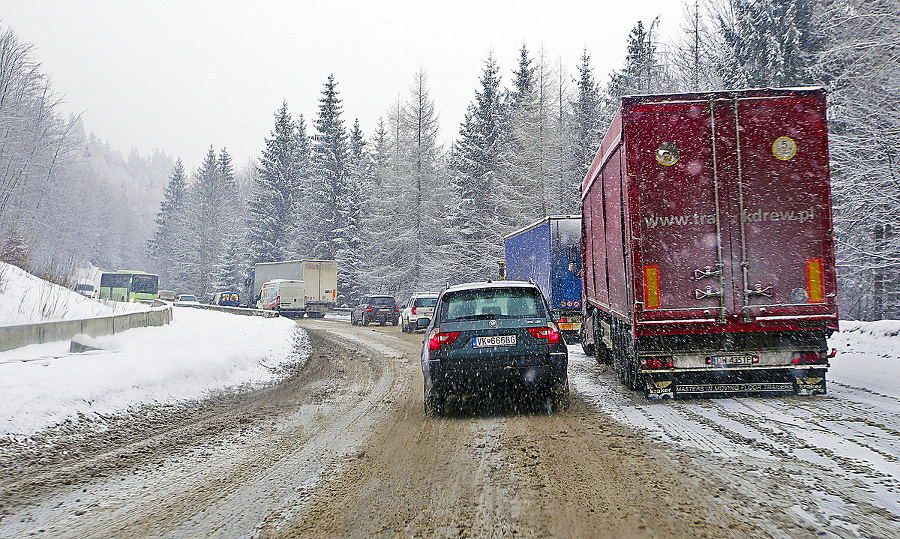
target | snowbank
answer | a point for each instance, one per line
(26, 299)
(198, 353)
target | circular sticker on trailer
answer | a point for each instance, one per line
(667, 154)
(799, 295)
(784, 148)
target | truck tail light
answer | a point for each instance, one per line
(814, 280)
(437, 339)
(550, 333)
(651, 287)
(658, 363)
(810, 358)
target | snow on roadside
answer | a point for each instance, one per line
(847, 441)
(868, 355)
(198, 353)
(26, 299)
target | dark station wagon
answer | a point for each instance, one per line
(494, 338)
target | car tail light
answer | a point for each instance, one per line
(369, 309)
(549, 333)
(437, 339)
(658, 363)
(810, 358)
(396, 308)
(413, 311)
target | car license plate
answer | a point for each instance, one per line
(495, 340)
(733, 360)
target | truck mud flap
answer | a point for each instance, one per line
(693, 385)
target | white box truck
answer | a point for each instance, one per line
(319, 276)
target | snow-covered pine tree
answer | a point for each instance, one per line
(276, 195)
(767, 43)
(305, 229)
(335, 205)
(860, 62)
(161, 246)
(386, 228)
(350, 256)
(587, 117)
(212, 226)
(474, 161)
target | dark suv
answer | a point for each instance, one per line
(381, 309)
(489, 338)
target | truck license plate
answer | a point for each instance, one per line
(495, 340)
(733, 360)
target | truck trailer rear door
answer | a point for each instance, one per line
(679, 217)
(779, 206)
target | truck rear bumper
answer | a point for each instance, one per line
(680, 383)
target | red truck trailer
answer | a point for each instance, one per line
(707, 246)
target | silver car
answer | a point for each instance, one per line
(419, 305)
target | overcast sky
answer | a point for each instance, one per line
(183, 75)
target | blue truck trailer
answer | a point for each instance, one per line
(546, 252)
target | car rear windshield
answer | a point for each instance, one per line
(383, 302)
(425, 302)
(491, 303)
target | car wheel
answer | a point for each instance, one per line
(434, 405)
(561, 398)
(393, 321)
(365, 320)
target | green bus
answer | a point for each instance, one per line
(131, 286)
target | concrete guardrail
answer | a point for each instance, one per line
(43, 332)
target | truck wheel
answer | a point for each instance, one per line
(587, 348)
(602, 354)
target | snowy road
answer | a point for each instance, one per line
(341, 448)
(831, 461)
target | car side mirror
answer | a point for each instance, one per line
(422, 323)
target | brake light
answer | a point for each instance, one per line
(437, 339)
(413, 310)
(810, 358)
(396, 308)
(369, 309)
(658, 363)
(549, 333)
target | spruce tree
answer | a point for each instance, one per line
(161, 246)
(768, 43)
(586, 120)
(211, 226)
(474, 163)
(276, 194)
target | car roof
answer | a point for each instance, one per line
(425, 295)
(490, 284)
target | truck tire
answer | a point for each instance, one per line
(588, 349)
